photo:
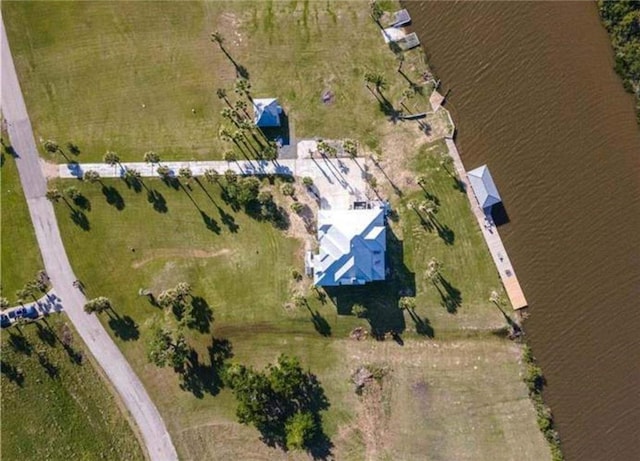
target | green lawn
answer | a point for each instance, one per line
(87, 70)
(20, 256)
(453, 389)
(54, 404)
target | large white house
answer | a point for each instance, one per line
(352, 247)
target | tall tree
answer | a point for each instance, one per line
(53, 195)
(434, 268)
(91, 176)
(111, 158)
(210, 175)
(151, 157)
(97, 305)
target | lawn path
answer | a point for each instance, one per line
(117, 369)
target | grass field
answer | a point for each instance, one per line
(88, 69)
(452, 390)
(54, 405)
(20, 256)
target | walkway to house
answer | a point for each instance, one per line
(337, 182)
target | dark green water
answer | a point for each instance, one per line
(534, 96)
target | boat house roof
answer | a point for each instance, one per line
(483, 187)
(352, 247)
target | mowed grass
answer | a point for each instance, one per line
(20, 256)
(125, 76)
(54, 407)
(242, 270)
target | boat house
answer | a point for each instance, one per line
(483, 187)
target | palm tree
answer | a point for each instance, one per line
(376, 12)
(434, 267)
(210, 175)
(307, 181)
(377, 80)
(428, 207)
(151, 157)
(111, 158)
(185, 173)
(350, 147)
(238, 136)
(495, 298)
(163, 171)
(53, 195)
(407, 303)
(242, 86)
(230, 156)
(91, 176)
(225, 134)
(72, 192)
(221, 93)
(51, 146)
(216, 37)
(4, 302)
(228, 113)
(241, 106)
(422, 181)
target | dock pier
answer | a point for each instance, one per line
(489, 231)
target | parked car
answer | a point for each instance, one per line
(5, 321)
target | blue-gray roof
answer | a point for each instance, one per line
(483, 187)
(267, 112)
(352, 247)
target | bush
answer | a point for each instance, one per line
(359, 311)
(288, 189)
(297, 207)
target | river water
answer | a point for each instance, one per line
(534, 96)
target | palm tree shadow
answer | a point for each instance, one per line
(210, 223)
(228, 220)
(113, 197)
(157, 200)
(451, 298)
(319, 323)
(423, 326)
(12, 373)
(80, 219)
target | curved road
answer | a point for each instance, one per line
(149, 422)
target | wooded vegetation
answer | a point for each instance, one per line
(622, 20)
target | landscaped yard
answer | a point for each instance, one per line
(20, 256)
(126, 76)
(54, 404)
(451, 385)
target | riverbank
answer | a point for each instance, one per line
(547, 112)
(622, 21)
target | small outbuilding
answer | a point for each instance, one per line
(483, 187)
(267, 112)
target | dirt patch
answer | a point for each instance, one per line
(372, 419)
(177, 253)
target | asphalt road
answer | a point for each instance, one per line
(117, 369)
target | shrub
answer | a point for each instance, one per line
(359, 311)
(288, 189)
(297, 207)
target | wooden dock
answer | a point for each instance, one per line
(490, 234)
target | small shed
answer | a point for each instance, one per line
(400, 18)
(483, 187)
(267, 112)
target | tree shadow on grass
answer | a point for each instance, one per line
(201, 315)
(319, 322)
(200, 378)
(46, 335)
(80, 219)
(157, 200)
(423, 325)
(124, 327)
(20, 344)
(210, 223)
(12, 373)
(113, 197)
(82, 202)
(450, 296)
(228, 220)
(50, 369)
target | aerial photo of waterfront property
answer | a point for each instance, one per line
(320, 230)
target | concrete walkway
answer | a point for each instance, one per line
(338, 182)
(151, 426)
(45, 305)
